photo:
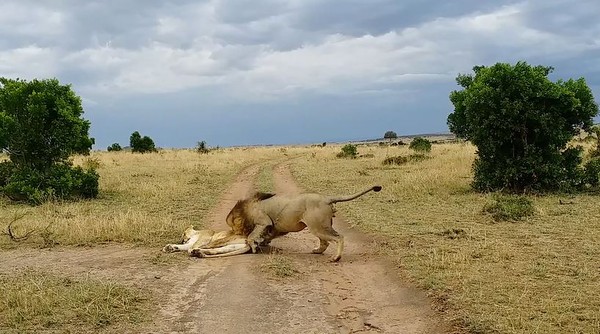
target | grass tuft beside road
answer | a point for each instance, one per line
(36, 301)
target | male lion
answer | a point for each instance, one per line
(263, 217)
(208, 243)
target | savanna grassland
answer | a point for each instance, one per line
(145, 200)
(536, 275)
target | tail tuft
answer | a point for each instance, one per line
(377, 189)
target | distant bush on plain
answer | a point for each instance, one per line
(401, 160)
(421, 145)
(114, 147)
(141, 144)
(348, 151)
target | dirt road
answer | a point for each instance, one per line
(360, 294)
(232, 295)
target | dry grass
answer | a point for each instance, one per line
(144, 198)
(35, 301)
(279, 266)
(540, 275)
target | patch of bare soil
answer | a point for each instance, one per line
(233, 295)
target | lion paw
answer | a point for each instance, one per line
(336, 258)
(169, 248)
(196, 253)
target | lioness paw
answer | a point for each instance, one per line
(169, 248)
(196, 253)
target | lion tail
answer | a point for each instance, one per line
(337, 199)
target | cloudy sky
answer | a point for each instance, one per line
(242, 72)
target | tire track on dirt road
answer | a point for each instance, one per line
(361, 292)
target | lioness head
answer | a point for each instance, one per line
(187, 234)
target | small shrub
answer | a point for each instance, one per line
(510, 207)
(420, 144)
(348, 151)
(399, 160)
(114, 147)
(202, 148)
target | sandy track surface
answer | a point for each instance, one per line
(360, 294)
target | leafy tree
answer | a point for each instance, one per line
(41, 126)
(521, 123)
(419, 144)
(141, 144)
(390, 135)
(41, 123)
(114, 147)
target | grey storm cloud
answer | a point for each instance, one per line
(307, 70)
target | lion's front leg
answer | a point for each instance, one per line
(255, 238)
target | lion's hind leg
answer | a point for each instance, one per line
(323, 244)
(327, 235)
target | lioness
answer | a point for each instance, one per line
(263, 217)
(208, 243)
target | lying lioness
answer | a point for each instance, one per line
(208, 243)
(263, 217)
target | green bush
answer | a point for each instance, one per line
(419, 144)
(7, 168)
(390, 135)
(592, 172)
(61, 181)
(114, 147)
(141, 144)
(521, 123)
(510, 207)
(202, 148)
(348, 151)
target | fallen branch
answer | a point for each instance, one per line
(11, 234)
